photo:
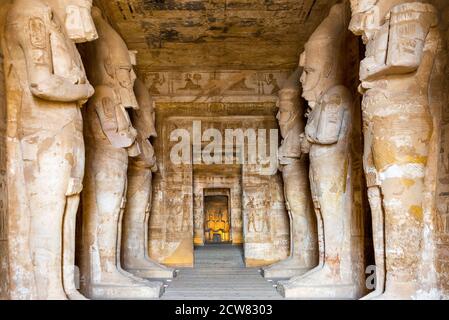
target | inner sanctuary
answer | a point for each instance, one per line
(224, 149)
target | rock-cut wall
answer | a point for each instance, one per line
(4, 283)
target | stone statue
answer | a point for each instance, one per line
(327, 140)
(294, 168)
(137, 212)
(402, 43)
(47, 86)
(110, 139)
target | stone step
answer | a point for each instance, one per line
(220, 274)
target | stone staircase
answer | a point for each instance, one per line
(220, 274)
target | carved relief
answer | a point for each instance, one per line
(226, 83)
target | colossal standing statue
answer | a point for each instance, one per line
(327, 140)
(137, 212)
(294, 168)
(47, 87)
(402, 44)
(110, 138)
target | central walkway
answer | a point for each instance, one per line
(220, 274)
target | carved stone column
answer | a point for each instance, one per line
(402, 44)
(110, 139)
(137, 212)
(46, 87)
(294, 168)
(339, 273)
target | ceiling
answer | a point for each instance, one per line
(216, 34)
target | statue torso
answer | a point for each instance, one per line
(47, 33)
(398, 91)
(330, 120)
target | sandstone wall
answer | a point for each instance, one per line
(3, 188)
(3, 203)
(438, 234)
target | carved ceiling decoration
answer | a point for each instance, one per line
(216, 34)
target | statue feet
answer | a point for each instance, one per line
(319, 284)
(285, 269)
(132, 276)
(397, 291)
(373, 295)
(149, 269)
(115, 285)
(57, 296)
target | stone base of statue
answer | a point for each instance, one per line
(286, 269)
(150, 269)
(308, 292)
(401, 291)
(126, 291)
(320, 284)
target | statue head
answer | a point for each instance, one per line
(77, 19)
(146, 115)
(143, 120)
(288, 104)
(369, 15)
(321, 59)
(112, 54)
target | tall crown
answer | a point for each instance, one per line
(332, 27)
(362, 5)
(292, 83)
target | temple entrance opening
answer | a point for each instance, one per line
(217, 224)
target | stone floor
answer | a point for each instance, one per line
(220, 274)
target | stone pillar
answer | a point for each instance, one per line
(110, 139)
(294, 168)
(137, 212)
(327, 139)
(402, 49)
(4, 270)
(46, 87)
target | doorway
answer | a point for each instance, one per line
(217, 226)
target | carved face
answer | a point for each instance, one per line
(365, 18)
(146, 119)
(315, 71)
(78, 20)
(148, 152)
(126, 77)
(151, 125)
(286, 113)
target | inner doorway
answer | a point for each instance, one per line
(217, 226)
